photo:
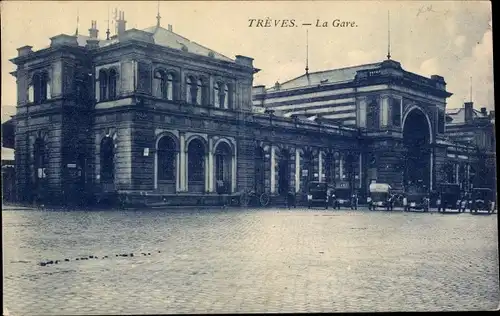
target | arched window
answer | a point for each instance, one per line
(112, 84)
(39, 89)
(160, 84)
(37, 80)
(216, 95)
(170, 87)
(372, 118)
(31, 92)
(39, 159)
(166, 159)
(199, 92)
(226, 97)
(103, 85)
(196, 161)
(329, 168)
(45, 87)
(190, 90)
(107, 160)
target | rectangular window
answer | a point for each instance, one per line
(396, 112)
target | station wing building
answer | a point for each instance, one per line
(152, 115)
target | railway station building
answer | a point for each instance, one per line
(150, 115)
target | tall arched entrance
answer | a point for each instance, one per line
(416, 139)
(40, 164)
(196, 166)
(107, 157)
(284, 173)
(223, 166)
(259, 182)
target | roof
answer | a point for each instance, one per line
(326, 77)
(82, 41)
(458, 115)
(166, 38)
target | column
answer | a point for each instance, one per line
(384, 111)
(431, 169)
(341, 167)
(297, 170)
(360, 170)
(177, 173)
(457, 181)
(183, 160)
(320, 167)
(155, 169)
(208, 171)
(210, 166)
(273, 169)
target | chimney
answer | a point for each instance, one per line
(25, 50)
(93, 31)
(483, 111)
(120, 23)
(170, 27)
(468, 111)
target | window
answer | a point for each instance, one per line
(225, 97)
(31, 93)
(170, 87)
(259, 183)
(191, 90)
(372, 119)
(166, 159)
(107, 84)
(396, 112)
(216, 95)
(45, 87)
(329, 168)
(159, 82)
(112, 84)
(39, 88)
(349, 166)
(219, 162)
(103, 85)
(107, 160)
(221, 94)
(199, 92)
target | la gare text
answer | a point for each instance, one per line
(268, 22)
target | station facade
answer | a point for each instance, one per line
(150, 114)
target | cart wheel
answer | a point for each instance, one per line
(264, 199)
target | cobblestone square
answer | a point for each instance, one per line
(255, 260)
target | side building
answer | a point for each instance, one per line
(473, 131)
(399, 115)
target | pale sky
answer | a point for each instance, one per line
(449, 38)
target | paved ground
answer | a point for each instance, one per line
(233, 261)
